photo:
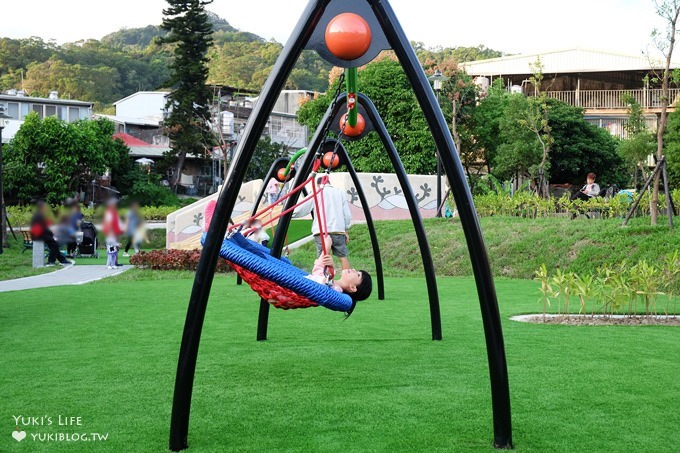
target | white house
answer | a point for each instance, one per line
(18, 105)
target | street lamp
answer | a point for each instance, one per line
(437, 79)
(3, 226)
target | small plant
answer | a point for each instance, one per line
(546, 289)
(584, 288)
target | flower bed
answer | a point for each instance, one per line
(176, 260)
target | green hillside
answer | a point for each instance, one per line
(128, 60)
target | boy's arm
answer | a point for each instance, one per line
(304, 209)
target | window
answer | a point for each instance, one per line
(84, 113)
(61, 113)
(13, 110)
(50, 110)
(38, 108)
(73, 114)
(25, 108)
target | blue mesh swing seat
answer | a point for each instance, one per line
(277, 280)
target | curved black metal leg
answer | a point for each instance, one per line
(344, 157)
(205, 271)
(426, 256)
(493, 331)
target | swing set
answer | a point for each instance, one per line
(349, 34)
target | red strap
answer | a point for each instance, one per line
(321, 221)
(273, 205)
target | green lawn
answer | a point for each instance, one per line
(15, 264)
(107, 352)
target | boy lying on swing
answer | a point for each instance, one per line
(357, 284)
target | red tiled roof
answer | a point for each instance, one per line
(129, 140)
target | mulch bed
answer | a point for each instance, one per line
(600, 320)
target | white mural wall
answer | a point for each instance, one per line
(383, 195)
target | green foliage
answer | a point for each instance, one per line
(577, 147)
(672, 142)
(639, 143)
(435, 56)
(266, 152)
(613, 288)
(386, 84)
(151, 193)
(189, 30)
(54, 159)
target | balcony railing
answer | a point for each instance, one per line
(613, 99)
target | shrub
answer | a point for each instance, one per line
(152, 194)
(172, 260)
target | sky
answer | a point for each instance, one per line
(525, 27)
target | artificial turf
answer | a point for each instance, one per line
(107, 352)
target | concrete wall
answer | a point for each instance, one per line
(385, 200)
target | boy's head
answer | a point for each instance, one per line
(591, 177)
(356, 284)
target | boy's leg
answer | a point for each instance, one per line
(340, 250)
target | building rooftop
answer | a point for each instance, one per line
(576, 60)
(142, 93)
(57, 101)
(145, 121)
(140, 148)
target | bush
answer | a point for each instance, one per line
(172, 260)
(152, 194)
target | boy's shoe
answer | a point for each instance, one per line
(126, 255)
(109, 267)
(65, 263)
(119, 265)
(50, 265)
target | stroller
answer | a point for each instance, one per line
(86, 240)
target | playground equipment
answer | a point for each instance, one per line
(348, 43)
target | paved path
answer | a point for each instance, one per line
(69, 275)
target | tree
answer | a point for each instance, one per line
(672, 141)
(386, 84)
(189, 28)
(639, 142)
(266, 152)
(669, 11)
(54, 159)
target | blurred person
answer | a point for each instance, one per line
(256, 233)
(40, 231)
(112, 230)
(272, 190)
(133, 222)
(75, 218)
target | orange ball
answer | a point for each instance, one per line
(348, 36)
(281, 175)
(353, 131)
(326, 160)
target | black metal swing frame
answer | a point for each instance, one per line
(387, 34)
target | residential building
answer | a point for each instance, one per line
(141, 115)
(19, 105)
(595, 80)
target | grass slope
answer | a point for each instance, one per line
(516, 246)
(107, 352)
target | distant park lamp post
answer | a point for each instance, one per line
(437, 80)
(3, 225)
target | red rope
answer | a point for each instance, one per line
(273, 205)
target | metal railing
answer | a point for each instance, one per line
(613, 99)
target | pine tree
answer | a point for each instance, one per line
(189, 28)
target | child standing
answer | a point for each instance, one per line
(111, 228)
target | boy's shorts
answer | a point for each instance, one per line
(339, 246)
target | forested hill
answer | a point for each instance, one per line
(121, 63)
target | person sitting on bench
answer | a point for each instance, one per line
(589, 190)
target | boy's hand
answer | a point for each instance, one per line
(346, 237)
(328, 242)
(327, 260)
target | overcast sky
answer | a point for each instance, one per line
(619, 25)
